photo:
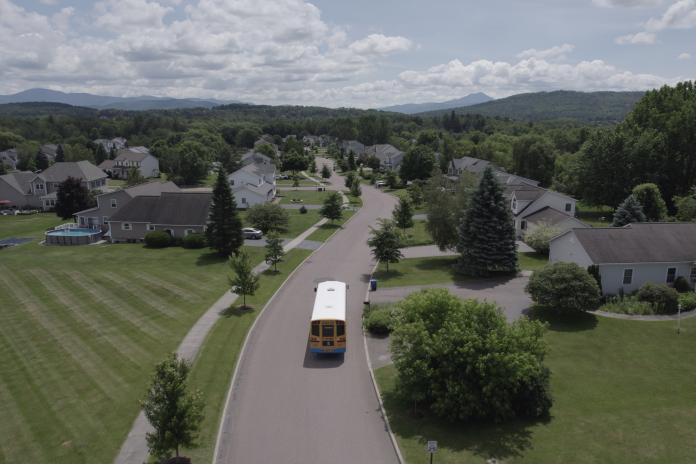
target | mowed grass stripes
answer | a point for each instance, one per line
(81, 329)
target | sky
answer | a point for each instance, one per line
(358, 53)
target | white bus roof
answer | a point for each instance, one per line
(330, 302)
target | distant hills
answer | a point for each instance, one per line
(592, 107)
(413, 108)
(104, 102)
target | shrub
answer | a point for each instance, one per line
(687, 301)
(378, 320)
(268, 217)
(158, 239)
(682, 285)
(193, 241)
(564, 287)
(628, 306)
(663, 298)
(540, 237)
(303, 209)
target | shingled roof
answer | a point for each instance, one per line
(83, 170)
(171, 208)
(640, 243)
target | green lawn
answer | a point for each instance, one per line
(29, 226)
(212, 370)
(308, 197)
(623, 393)
(304, 182)
(436, 270)
(115, 183)
(80, 331)
(417, 235)
(595, 216)
(300, 222)
(327, 230)
(532, 261)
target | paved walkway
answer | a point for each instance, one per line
(134, 449)
(300, 205)
(651, 318)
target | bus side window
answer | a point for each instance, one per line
(340, 328)
(315, 328)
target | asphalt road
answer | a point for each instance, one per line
(292, 407)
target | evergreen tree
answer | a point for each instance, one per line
(313, 166)
(173, 412)
(650, 198)
(274, 251)
(351, 161)
(60, 154)
(392, 180)
(245, 281)
(332, 208)
(41, 161)
(355, 188)
(72, 197)
(224, 232)
(385, 243)
(350, 178)
(325, 172)
(3, 169)
(487, 233)
(100, 154)
(403, 214)
(629, 211)
(113, 152)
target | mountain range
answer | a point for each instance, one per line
(413, 108)
(104, 102)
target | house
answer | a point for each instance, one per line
(254, 183)
(108, 167)
(628, 257)
(117, 143)
(389, 156)
(177, 213)
(50, 151)
(135, 158)
(45, 185)
(467, 164)
(111, 203)
(353, 146)
(531, 206)
(9, 159)
(16, 192)
(252, 156)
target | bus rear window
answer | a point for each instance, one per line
(327, 329)
(340, 328)
(315, 328)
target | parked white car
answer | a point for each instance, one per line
(250, 232)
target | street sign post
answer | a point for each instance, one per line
(431, 448)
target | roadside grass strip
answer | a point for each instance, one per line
(327, 230)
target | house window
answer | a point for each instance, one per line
(523, 225)
(114, 203)
(514, 204)
(568, 207)
(126, 226)
(189, 231)
(692, 276)
(150, 227)
(671, 274)
(231, 181)
(105, 219)
(628, 276)
(39, 187)
(244, 200)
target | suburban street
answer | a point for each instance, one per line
(290, 406)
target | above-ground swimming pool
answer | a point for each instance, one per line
(73, 236)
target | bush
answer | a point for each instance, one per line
(682, 285)
(268, 217)
(564, 287)
(687, 301)
(628, 306)
(303, 209)
(540, 237)
(663, 298)
(378, 320)
(158, 239)
(193, 241)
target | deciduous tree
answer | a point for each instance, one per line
(268, 217)
(72, 197)
(650, 198)
(244, 281)
(403, 213)
(274, 251)
(385, 243)
(333, 207)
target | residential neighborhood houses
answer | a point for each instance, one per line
(255, 182)
(628, 257)
(126, 159)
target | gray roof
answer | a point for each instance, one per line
(353, 145)
(262, 189)
(152, 188)
(255, 157)
(19, 181)
(83, 170)
(49, 149)
(526, 192)
(171, 208)
(132, 154)
(506, 178)
(106, 164)
(549, 215)
(385, 152)
(470, 164)
(260, 169)
(640, 243)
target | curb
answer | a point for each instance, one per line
(392, 437)
(230, 389)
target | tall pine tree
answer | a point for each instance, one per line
(224, 232)
(60, 154)
(487, 233)
(629, 211)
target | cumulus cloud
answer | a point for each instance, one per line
(379, 44)
(640, 38)
(684, 56)
(627, 3)
(557, 52)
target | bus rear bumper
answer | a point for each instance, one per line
(329, 351)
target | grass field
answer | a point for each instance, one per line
(80, 331)
(436, 270)
(417, 235)
(595, 216)
(29, 226)
(326, 230)
(212, 370)
(304, 182)
(623, 393)
(308, 197)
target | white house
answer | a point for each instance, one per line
(389, 156)
(254, 183)
(628, 257)
(531, 205)
(135, 157)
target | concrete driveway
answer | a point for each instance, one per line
(289, 406)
